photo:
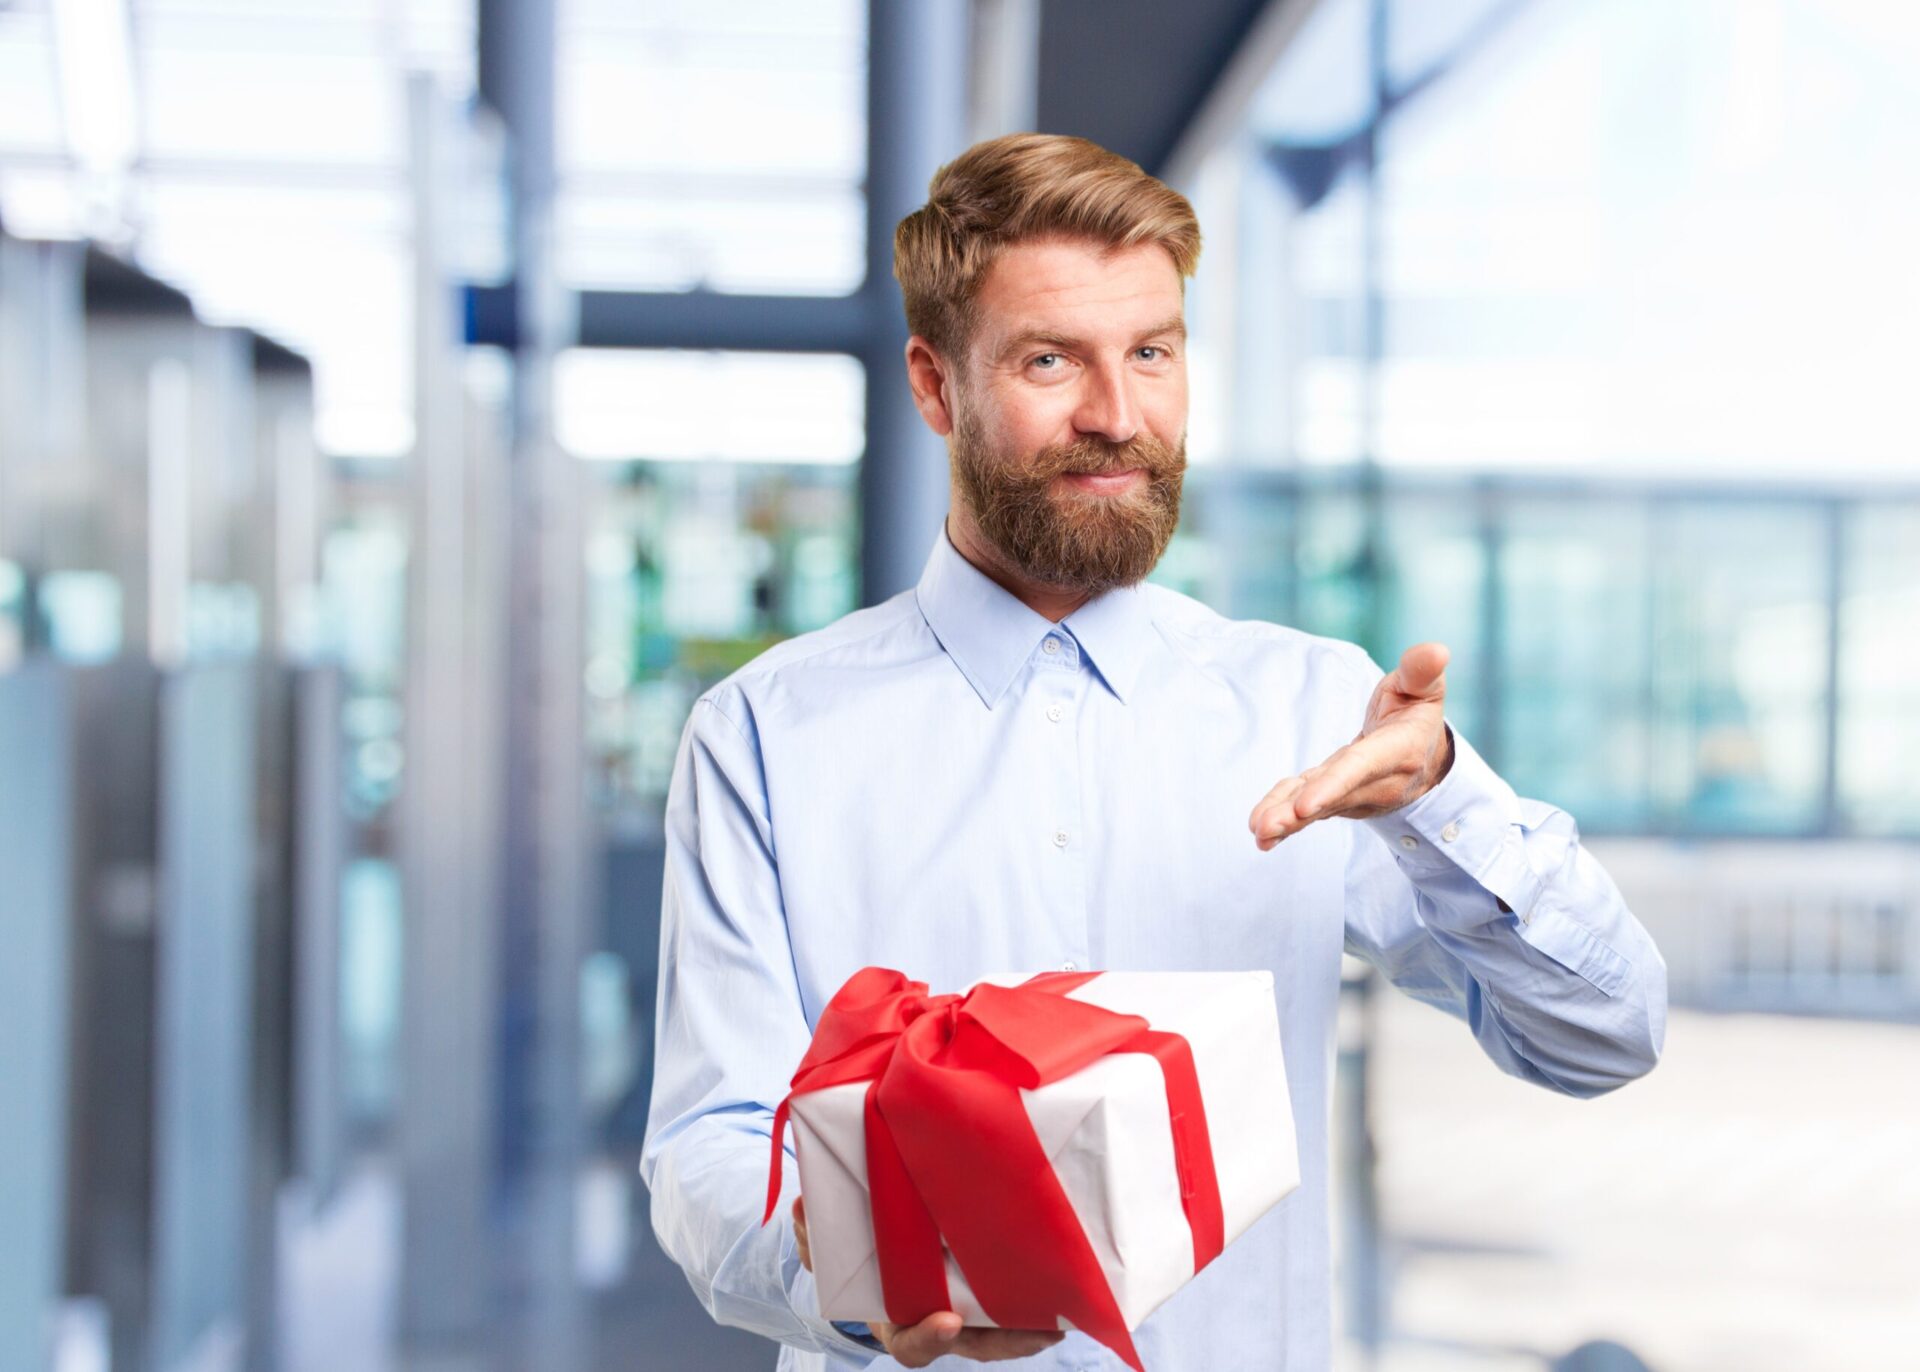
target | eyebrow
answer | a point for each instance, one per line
(1026, 338)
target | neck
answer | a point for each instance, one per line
(1053, 602)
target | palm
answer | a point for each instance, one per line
(1400, 752)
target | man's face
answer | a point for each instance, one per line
(1069, 438)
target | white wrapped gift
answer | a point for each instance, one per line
(1106, 1131)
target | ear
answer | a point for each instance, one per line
(932, 380)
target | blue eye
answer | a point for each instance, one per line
(1153, 348)
(1042, 358)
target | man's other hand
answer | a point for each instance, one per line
(1401, 753)
(940, 1334)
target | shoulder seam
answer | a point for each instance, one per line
(709, 700)
(753, 671)
(1210, 624)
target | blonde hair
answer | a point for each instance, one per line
(1012, 189)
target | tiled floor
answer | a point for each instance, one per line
(337, 1313)
(1752, 1206)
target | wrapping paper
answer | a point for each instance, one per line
(1106, 1133)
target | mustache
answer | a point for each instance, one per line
(1100, 457)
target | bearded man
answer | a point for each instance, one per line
(1035, 760)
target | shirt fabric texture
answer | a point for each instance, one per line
(951, 785)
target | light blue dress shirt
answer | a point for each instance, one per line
(951, 785)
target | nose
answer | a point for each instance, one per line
(1107, 406)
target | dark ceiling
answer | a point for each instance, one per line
(1132, 74)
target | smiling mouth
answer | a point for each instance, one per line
(1105, 481)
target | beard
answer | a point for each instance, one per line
(1077, 540)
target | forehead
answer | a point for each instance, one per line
(1071, 285)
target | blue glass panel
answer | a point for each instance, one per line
(1879, 726)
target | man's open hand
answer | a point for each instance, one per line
(1401, 753)
(939, 1335)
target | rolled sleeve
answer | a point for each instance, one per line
(1472, 825)
(1485, 904)
(1464, 822)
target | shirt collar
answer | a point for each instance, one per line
(990, 634)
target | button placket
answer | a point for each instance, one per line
(1063, 679)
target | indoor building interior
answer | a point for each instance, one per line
(409, 408)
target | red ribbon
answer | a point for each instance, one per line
(952, 1155)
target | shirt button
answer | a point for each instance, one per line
(1409, 842)
(1068, 967)
(1054, 712)
(1060, 838)
(1050, 645)
(1451, 832)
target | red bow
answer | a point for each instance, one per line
(952, 1155)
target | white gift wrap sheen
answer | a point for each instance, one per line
(1106, 1130)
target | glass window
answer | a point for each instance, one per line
(1740, 625)
(83, 615)
(364, 571)
(13, 614)
(1663, 238)
(1628, 240)
(724, 520)
(731, 406)
(1321, 91)
(30, 123)
(718, 147)
(1279, 342)
(1235, 546)
(269, 181)
(1879, 728)
(1432, 585)
(1574, 673)
(1425, 36)
(693, 569)
(1336, 578)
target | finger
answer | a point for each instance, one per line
(1345, 775)
(1272, 807)
(919, 1344)
(1003, 1345)
(800, 1232)
(1314, 794)
(1421, 670)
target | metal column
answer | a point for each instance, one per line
(446, 1116)
(547, 838)
(1005, 67)
(36, 872)
(916, 120)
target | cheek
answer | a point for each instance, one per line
(1033, 423)
(1166, 413)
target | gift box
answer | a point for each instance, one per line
(1057, 1151)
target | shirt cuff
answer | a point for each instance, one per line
(837, 1335)
(1469, 822)
(860, 1334)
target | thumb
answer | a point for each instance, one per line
(1421, 670)
(922, 1343)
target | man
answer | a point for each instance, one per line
(1036, 760)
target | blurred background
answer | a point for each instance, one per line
(408, 407)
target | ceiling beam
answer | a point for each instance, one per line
(1133, 75)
